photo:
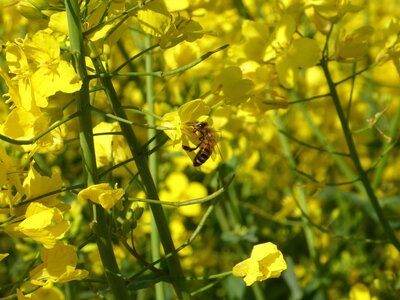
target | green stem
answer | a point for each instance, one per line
(355, 157)
(104, 244)
(155, 239)
(135, 147)
(195, 233)
(162, 74)
(128, 61)
(186, 202)
(241, 8)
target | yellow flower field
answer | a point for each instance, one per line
(199, 149)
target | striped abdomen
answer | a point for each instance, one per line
(202, 155)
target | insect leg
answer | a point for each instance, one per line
(187, 148)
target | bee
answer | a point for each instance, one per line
(207, 143)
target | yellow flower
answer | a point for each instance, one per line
(155, 19)
(302, 53)
(10, 172)
(283, 34)
(59, 23)
(53, 74)
(43, 224)
(22, 124)
(180, 127)
(180, 55)
(59, 265)
(354, 45)
(102, 194)
(333, 10)
(47, 292)
(177, 124)
(178, 188)
(359, 292)
(391, 49)
(111, 148)
(266, 261)
(39, 70)
(264, 100)
(234, 88)
(173, 5)
(22, 92)
(36, 185)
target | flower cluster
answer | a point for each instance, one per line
(155, 140)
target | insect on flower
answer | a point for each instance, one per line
(207, 141)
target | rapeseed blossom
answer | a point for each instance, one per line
(179, 127)
(48, 291)
(281, 55)
(265, 261)
(58, 265)
(171, 30)
(179, 188)
(354, 45)
(177, 124)
(360, 292)
(109, 146)
(37, 70)
(102, 194)
(40, 70)
(9, 176)
(43, 224)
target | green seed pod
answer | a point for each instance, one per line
(137, 213)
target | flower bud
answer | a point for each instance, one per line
(40, 4)
(28, 10)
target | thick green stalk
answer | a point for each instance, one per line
(155, 238)
(355, 157)
(136, 149)
(104, 244)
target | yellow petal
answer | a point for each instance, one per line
(287, 72)
(173, 5)
(102, 194)
(304, 53)
(193, 110)
(359, 292)
(37, 216)
(154, 18)
(285, 30)
(59, 23)
(266, 261)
